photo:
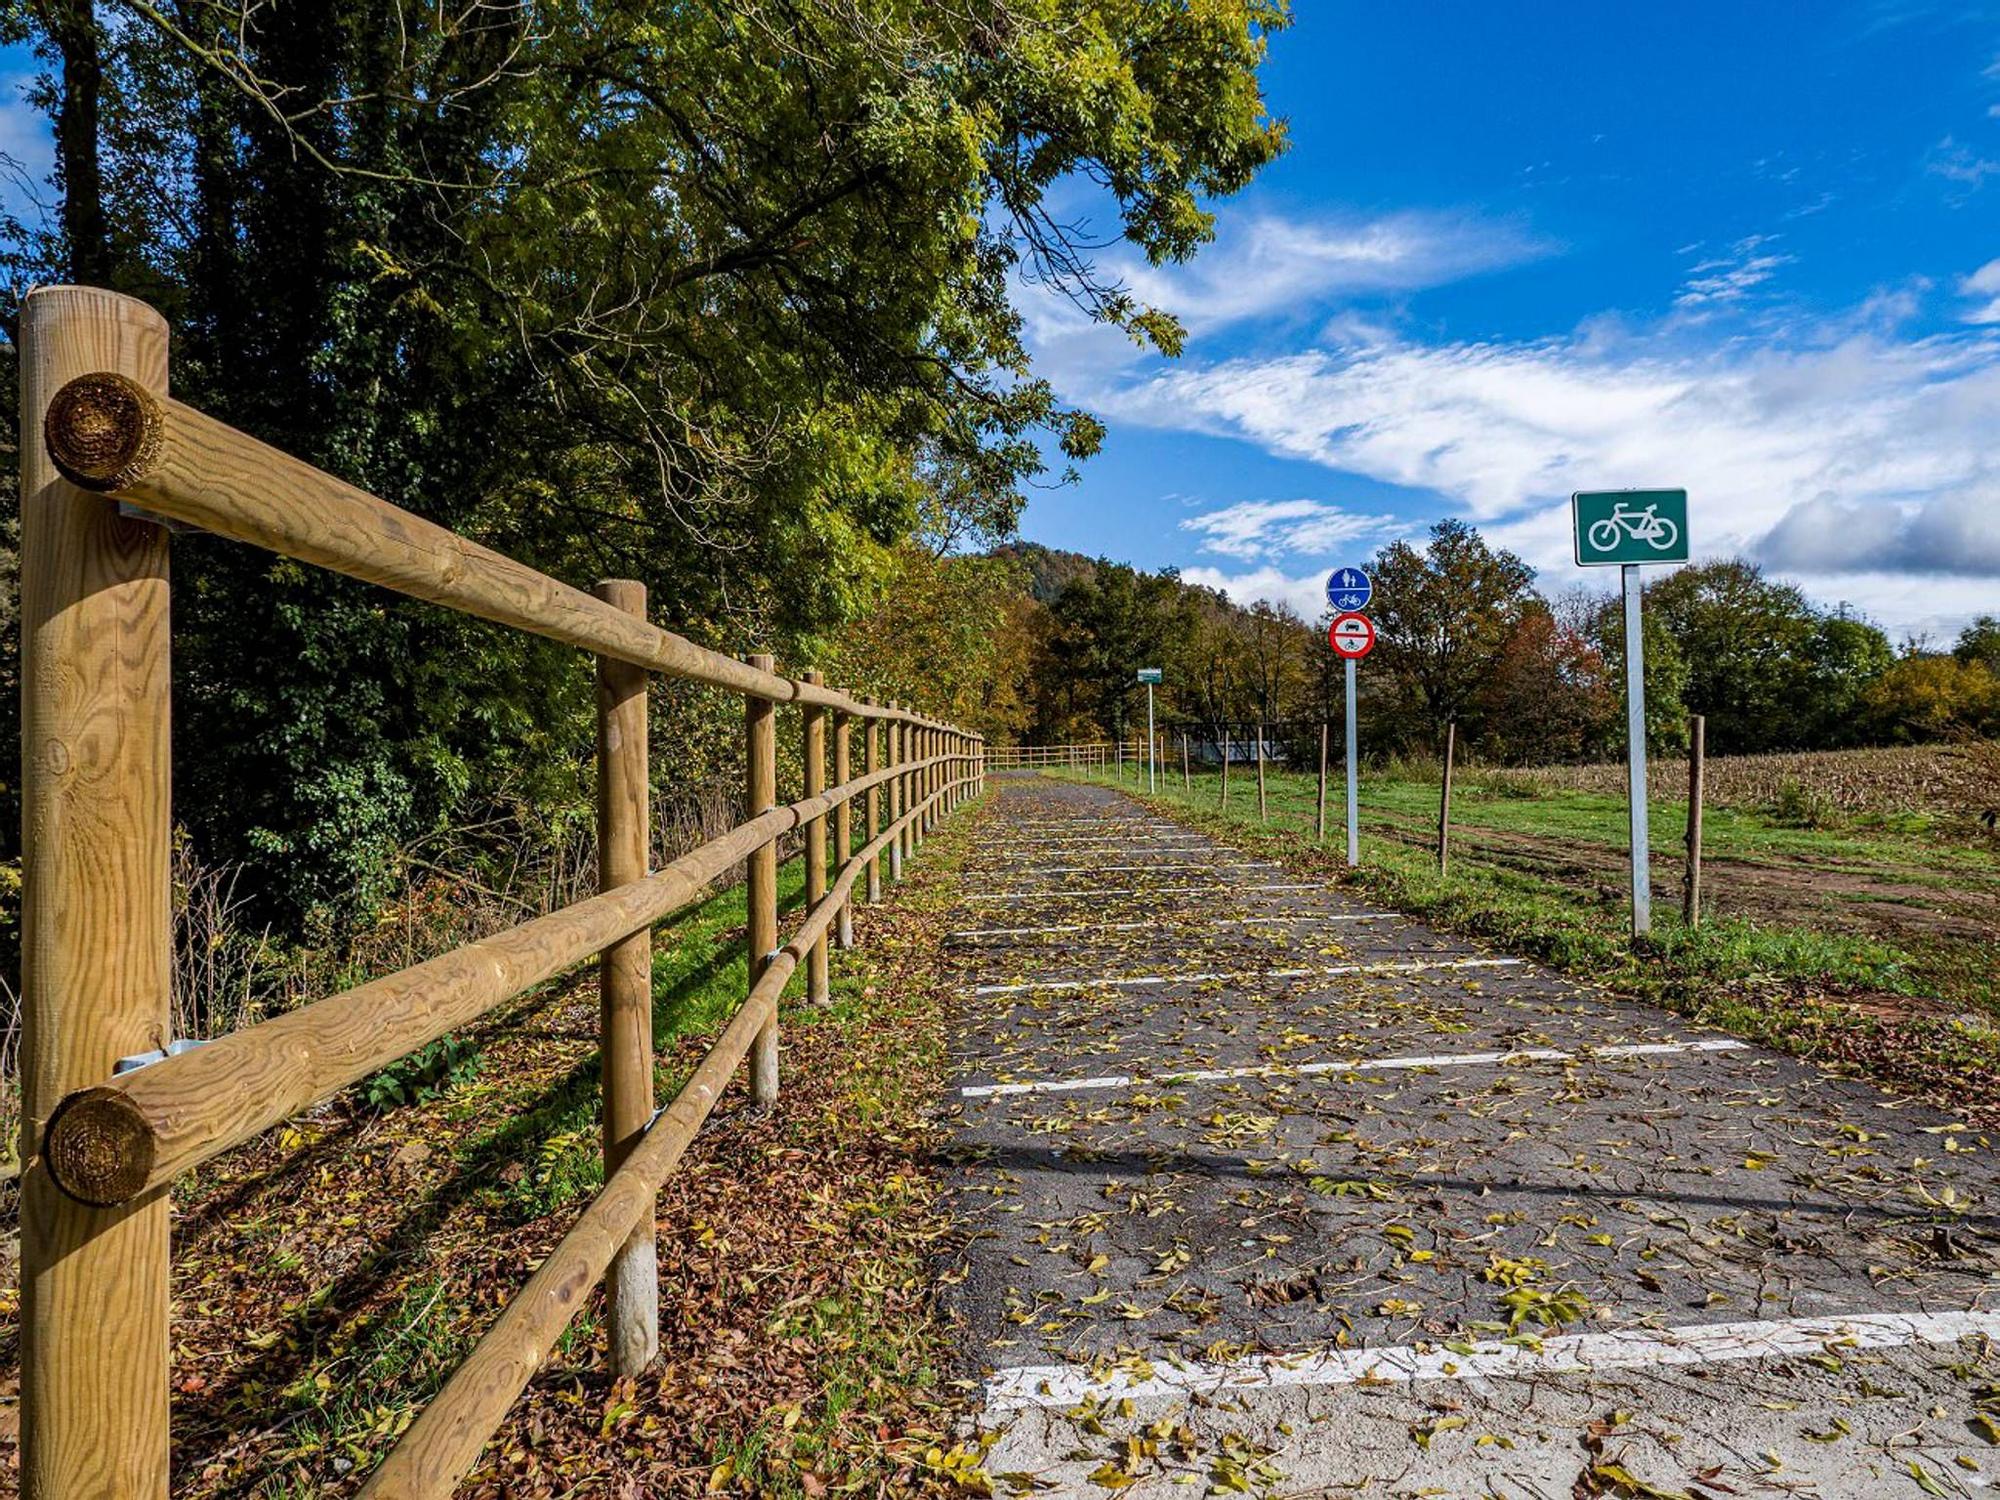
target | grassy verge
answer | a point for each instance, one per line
(331, 1275)
(1830, 995)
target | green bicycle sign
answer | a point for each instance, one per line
(1629, 526)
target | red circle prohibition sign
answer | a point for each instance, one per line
(1351, 636)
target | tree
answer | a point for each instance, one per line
(1980, 642)
(1548, 696)
(1444, 614)
(1928, 697)
(715, 296)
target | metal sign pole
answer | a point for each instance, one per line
(1353, 817)
(1151, 774)
(1635, 735)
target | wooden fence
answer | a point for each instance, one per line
(103, 1147)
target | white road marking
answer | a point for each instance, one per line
(1143, 980)
(1371, 1065)
(1219, 887)
(1361, 916)
(1698, 1344)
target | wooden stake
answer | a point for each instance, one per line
(760, 752)
(1697, 777)
(97, 939)
(625, 982)
(1263, 813)
(1319, 821)
(843, 822)
(1444, 798)
(1225, 765)
(898, 794)
(817, 990)
(1185, 782)
(873, 752)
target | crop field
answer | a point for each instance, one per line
(1851, 901)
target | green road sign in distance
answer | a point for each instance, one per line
(1629, 526)
(1149, 674)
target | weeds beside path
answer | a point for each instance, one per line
(331, 1275)
(1910, 1002)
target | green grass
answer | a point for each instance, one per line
(1568, 907)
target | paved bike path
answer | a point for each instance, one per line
(1268, 1188)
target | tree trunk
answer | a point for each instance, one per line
(72, 28)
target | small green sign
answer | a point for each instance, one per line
(1629, 526)
(1149, 674)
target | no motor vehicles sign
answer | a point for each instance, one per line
(1351, 636)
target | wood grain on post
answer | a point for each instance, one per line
(97, 938)
(818, 991)
(1697, 777)
(843, 821)
(873, 753)
(895, 795)
(760, 756)
(902, 799)
(1225, 767)
(625, 981)
(1444, 798)
(1319, 816)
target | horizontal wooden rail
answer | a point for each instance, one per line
(108, 1144)
(447, 1436)
(108, 433)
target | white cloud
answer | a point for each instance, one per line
(1264, 265)
(1890, 426)
(1254, 529)
(1268, 266)
(1957, 162)
(1984, 282)
(1732, 277)
(1304, 592)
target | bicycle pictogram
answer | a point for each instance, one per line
(1641, 525)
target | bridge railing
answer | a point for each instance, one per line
(107, 457)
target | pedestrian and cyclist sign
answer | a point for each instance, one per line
(1348, 590)
(1629, 526)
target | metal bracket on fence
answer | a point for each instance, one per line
(772, 955)
(142, 1059)
(139, 513)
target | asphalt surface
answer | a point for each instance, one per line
(1269, 1191)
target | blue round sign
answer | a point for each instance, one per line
(1348, 590)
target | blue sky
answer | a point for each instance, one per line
(1516, 250)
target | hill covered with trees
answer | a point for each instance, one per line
(1466, 637)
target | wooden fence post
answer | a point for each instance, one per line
(1697, 776)
(898, 731)
(97, 939)
(625, 982)
(760, 752)
(1319, 820)
(843, 822)
(872, 759)
(1444, 798)
(814, 731)
(1185, 782)
(1225, 765)
(919, 780)
(1263, 813)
